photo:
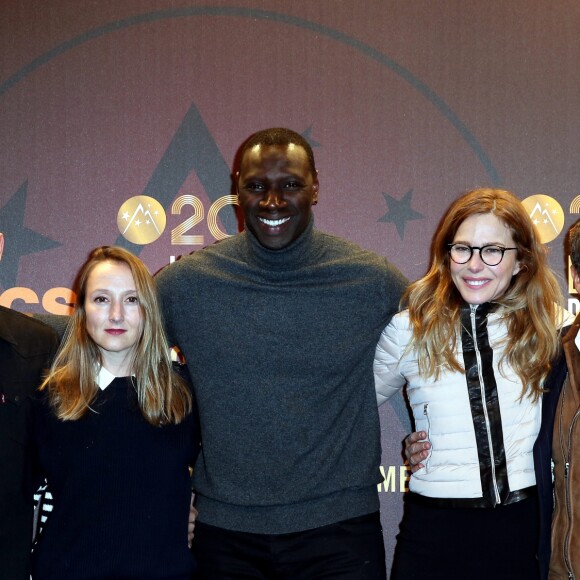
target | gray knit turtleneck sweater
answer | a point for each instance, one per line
(280, 348)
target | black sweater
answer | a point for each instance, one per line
(121, 491)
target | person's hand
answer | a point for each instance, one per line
(191, 522)
(416, 450)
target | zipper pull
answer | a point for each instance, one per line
(566, 468)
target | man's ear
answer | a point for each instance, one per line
(315, 186)
(1, 245)
(236, 182)
(575, 278)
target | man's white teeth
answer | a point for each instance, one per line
(274, 223)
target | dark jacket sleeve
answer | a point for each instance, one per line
(57, 322)
(543, 460)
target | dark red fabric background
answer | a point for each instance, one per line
(407, 104)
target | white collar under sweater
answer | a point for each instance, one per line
(104, 378)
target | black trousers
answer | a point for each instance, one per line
(348, 550)
(468, 543)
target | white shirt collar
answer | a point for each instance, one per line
(104, 378)
(577, 341)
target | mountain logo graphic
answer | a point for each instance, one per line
(141, 219)
(547, 215)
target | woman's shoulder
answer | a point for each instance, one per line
(564, 318)
(398, 330)
(401, 320)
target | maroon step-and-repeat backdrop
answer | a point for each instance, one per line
(120, 120)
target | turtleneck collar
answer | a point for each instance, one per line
(292, 256)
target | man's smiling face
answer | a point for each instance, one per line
(276, 189)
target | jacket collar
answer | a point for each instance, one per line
(6, 326)
(572, 352)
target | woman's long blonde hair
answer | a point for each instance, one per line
(163, 397)
(529, 306)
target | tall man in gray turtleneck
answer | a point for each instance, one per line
(279, 325)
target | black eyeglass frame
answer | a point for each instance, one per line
(480, 248)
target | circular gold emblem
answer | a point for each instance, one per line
(141, 219)
(547, 215)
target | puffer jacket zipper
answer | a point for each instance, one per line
(428, 419)
(473, 309)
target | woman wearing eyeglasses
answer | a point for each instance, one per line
(474, 347)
